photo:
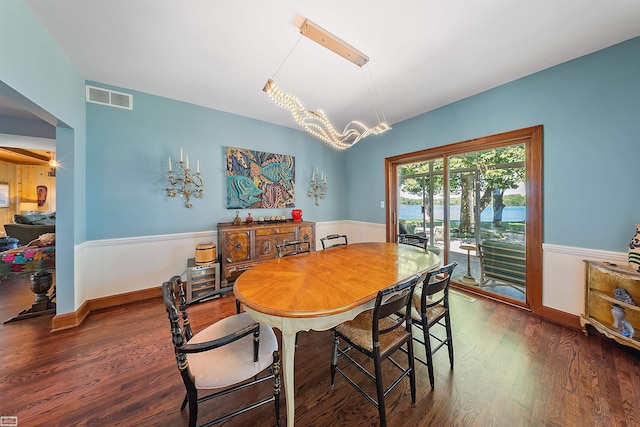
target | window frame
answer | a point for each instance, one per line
(532, 139)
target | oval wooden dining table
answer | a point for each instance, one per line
(319, 290)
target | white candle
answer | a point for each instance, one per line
(181, 155)
(198, 166)
(169, 164)
(187, 162)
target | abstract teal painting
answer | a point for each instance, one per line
(256, 179)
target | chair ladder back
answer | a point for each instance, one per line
(437, 281)
(326, 244)
(393, 300)
(180, 333)
(293, 247)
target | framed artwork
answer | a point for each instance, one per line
(256, 179)
(4, 195)
(42, 194)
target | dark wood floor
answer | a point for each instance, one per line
(511, 369)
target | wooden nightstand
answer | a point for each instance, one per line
(602, 279)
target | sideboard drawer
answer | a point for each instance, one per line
(266, 245)
(234, 270)
(276, 229)
(238, 246)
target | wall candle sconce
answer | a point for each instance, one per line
(318, 187)
(184, 182)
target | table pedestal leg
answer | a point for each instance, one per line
(468, 279)
(288, 357)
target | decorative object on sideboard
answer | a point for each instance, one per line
(237, 220)
(248, 219)
(296, 214)
(634, 250)
(626, 329)
(183, 182)
(621, 294)
(318, 186)
(271, 219)
(316, 123)
(618, 315)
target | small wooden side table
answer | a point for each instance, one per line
(468, 278)
(201, 279)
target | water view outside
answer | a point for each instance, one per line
(509, 213)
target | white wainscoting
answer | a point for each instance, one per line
(115, 266)
(563, 275)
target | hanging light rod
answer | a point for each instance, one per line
(324, 38)
(316, 123)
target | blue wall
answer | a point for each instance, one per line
(128, 154)
(590, 110)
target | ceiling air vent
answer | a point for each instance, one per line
(112, 98)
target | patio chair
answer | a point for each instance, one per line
(414, 240)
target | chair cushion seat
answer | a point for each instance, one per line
(232, 363)
(358, 331)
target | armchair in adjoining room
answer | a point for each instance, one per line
(29, 227)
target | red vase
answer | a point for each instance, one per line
(296, 214)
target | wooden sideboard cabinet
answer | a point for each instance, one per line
(243, 246)
(601, 280)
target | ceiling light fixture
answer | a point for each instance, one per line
(53, 165)
(316, 123)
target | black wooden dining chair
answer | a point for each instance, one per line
(430, 309)
(332, 240)
(414, 240)
(379, 333)
(293, 247)
(228, 356)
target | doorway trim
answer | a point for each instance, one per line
(532, 139)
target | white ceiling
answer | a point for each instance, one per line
(423, 53)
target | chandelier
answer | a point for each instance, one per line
(316, 123)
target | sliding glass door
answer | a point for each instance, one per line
(420, 207)
(471, 201)
(487, 207)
